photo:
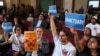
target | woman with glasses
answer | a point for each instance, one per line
(17, 40)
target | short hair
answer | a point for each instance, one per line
(42, 15)
(39, 27)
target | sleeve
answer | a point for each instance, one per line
(56, 39)
(87, 26)
(72, 52)
(98, 30)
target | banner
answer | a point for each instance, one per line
(75, 20)
(53, 10)
(7, 27)
(30, 41)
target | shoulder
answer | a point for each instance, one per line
(72, 48)
(36, 20)
(98, 25)
(89, 24)
(13, 35)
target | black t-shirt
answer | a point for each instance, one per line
(86, 52)
(5, 47)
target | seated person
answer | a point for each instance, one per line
(17, 40)
(40, 22)
(43, 44)
(4, 45)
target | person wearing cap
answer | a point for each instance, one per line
(94, 26)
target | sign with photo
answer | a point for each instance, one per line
(30, 41)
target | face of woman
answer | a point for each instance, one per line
(86, 31)
(92, 44)
(18, 30)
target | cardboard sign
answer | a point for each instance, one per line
(30, 41)
(7, 27)
(53, 10)
(75, 20)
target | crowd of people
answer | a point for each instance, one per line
(22, 19)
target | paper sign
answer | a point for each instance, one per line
(53, 10)
(30, 41)
(75, 20)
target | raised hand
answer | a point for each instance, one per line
(73, 31)
(6, 36)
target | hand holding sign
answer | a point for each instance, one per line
(53, 10)
(73, 31)
(7, 26)
(75, 20)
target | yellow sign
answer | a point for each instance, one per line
(30, 41)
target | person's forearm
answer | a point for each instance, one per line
(53, 27)
(78, 45)
(4, 43)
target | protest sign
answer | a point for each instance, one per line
(75, 20)
(53, 10)
(7, 26)
(30, 41)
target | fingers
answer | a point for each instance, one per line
(73, 30)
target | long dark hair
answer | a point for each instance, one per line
(98, 42)
(89, 30)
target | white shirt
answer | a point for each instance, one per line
(39, 23)
(16, 42)
(34, 53)
(30, 19)
(94, 28)
(60, 49)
